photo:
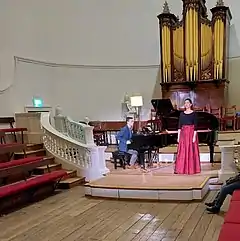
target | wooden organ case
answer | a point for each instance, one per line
(194, 54)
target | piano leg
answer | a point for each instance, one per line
(211, 149)
(141, 156)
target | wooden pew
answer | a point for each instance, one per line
(9, 149)
(22, 192)
(230, 228)
(22, 166)
(7, 120)
(14, 131)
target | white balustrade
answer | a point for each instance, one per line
(73, 143)
(228, 167)
(78, 131)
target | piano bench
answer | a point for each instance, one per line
(122, 158)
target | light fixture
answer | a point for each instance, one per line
(136, 101)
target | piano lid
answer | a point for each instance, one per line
(205, 121)
(162, 106)
(170, 116)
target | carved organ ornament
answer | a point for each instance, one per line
(195, 48)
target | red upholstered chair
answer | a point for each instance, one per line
(230, 232)
(232, 215)
(236, 196)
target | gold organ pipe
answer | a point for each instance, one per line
(169, 53)
(196, 44)
(221, 47)
(181, 49)
(166, 42)
(174, 47)
(216, 42)
(187, 45)
(191, 43)
(218, 47)
(208, 46)
(202, 43)
(219, 42)
(215, 50)
(177, 46)
(166, 53)
(163, 54)
(210, 34)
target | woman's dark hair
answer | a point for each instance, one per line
(190, 101)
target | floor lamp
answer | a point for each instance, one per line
(137, 102)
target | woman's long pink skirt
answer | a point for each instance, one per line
(188, 158)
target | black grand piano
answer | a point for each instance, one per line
(207, 129)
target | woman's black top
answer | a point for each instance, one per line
(188, 119)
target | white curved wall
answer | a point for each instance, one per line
(84, 32)
(96, 93)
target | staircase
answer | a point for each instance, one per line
(70, 181)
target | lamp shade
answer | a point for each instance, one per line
(136, 101)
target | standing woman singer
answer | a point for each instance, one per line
(188, 158)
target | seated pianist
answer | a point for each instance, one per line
(124, 137)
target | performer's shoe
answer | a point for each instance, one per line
(144, 170)
(213, 210)
(210, 204)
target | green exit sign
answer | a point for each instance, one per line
(37, 102)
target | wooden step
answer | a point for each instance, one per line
(71, 174)
(51, 158)
(40, 152)
(71, 182)
(34, 147)
(44, 169)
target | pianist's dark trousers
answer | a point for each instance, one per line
(188, 158)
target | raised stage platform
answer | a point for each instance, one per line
(168, 154)
(159, 183)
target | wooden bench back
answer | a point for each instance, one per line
(12, 148)
(23, 169)
(7, 120)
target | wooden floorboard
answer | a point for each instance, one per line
(70, 216)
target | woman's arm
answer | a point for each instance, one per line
(179, 126)
(195, 126)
